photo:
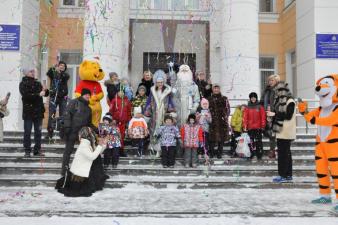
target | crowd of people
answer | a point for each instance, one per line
(170, 114)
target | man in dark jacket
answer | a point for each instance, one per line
(58, 94)
(32, 92)
(77, 115)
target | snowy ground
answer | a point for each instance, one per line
(172, 221)
(136, 200)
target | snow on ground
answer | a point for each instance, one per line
(169, 221)
(140, 200)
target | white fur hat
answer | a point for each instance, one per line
(137, 109)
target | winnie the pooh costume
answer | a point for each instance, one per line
(90, 73)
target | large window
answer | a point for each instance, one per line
(266, 6)
(267, 67)
(185, 4)
(73, 3)
(179, 5)
(287, 2)
(73, 60)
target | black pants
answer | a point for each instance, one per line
(28, 124)
(284, 158)
(234, 142)
(53, 104)
(139, 143)
(168, 155)
(111, 155)
(219, 150)
(256, 140)
(202, 150)
(70, 142)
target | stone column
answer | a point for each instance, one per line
(313, 17)
(240, 49)
(106, 35)
(25, 14)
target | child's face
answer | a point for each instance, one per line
(138, 115)
(121, 94)
(168, 122)
(106, 122)
(142, 92)
(253, 99)
(242, 107)
(113, 123)
(191, 121)
(204, 105)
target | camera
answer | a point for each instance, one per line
(104, 129)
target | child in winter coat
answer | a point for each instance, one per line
(192, 138)
(140, 99)
(138, 130)
(254, 121)
(120, 108)
(112, 151)
(203, 117)
(236, 127)
(168, 133)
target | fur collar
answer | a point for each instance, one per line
(165, 93)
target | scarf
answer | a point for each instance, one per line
(282, 95)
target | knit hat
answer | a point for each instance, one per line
(25, 71)
(137, 109)
(141, 87)
(204, 101)
(216, 85)
(253, 95)
(159, 76)
(108, 117)
(111, 74)
(85, 91)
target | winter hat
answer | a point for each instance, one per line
(85, 91)
(141, 87)
(159, 76)
(111, 74)
(253, 95)
(216, 85)
(203, 102)
(137, 110)
(108, 117)
(25, 71)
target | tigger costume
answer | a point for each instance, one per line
(326, 117)
(90, 72)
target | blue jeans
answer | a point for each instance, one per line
(28, 124)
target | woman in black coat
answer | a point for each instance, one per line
(33, 110)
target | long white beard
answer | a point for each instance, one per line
(184, 76)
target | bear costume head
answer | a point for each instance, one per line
(91, 70)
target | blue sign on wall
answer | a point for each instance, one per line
(9, 37)
(327, 46)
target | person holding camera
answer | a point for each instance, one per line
(58, 95)
(33, 110)
(84, 176)
(3, 112)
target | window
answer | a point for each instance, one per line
(266, 6)
(161, 4)
(73, 3)
(294, 73)
(185, 4)
(144, 4)
(73, 60)
(266, 68)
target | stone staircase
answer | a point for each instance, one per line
(223, 173)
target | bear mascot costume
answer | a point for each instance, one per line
(90, 73)
(326, 153)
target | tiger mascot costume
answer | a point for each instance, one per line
(326, 153)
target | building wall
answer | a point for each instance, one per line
(278, 39)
